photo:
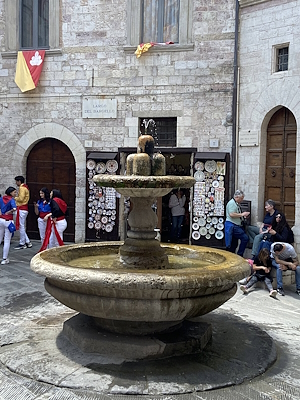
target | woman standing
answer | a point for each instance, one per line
(42, 208)
(56, 221)
(7, 208)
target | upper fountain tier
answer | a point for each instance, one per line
(145, 174)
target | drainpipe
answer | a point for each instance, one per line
(235, 102)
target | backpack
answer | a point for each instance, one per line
(290, 238)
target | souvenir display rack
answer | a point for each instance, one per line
(209, 199)
(102, 202)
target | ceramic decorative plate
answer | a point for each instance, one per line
(98, 225)
(207, 236)
(90, 225)
(195, 219)
(211, 230)
(112, 166)
(199, 166)
(201, 222)
(203, 231)
(196, 235)
(219, 235)
(108, 228)
(220, 226)
(195, 226)
(215, 184)
(90, 164)
(210, 166)
(199, 176)
(100, 168)
(214, 220)
(104, 220)
(221, 220)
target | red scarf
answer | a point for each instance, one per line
(50, 223)
(61, 204)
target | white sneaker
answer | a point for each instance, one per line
(273, 294)
(5, 261)
(243, 281)
(244, 289)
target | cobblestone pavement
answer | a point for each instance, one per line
(23, 299)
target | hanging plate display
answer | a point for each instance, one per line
(100, 168)
(199, 166)
(196, 235)
(90, 164)
(199, 176)
(210, 166)
(219, 235)
(112, 166)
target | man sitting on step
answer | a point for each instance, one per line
(284, 257)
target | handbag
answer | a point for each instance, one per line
(11, 227)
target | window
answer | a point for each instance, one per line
(160, 21)
(163, 130)
(282, 59)
(26, 21)
(34, 24)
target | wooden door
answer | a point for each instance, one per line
(51, 164)
(281, 162)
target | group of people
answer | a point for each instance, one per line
(51, 210)
(271, 244)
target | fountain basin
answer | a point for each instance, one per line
(140, 301)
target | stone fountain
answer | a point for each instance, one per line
(140, 288)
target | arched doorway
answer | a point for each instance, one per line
(281, 162)
(50, 163)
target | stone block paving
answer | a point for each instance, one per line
(21, 289)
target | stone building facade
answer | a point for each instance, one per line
(269, 106)
(91, 56)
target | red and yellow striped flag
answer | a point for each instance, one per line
(29, 68)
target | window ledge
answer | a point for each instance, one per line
(13, 54)
(163, 48)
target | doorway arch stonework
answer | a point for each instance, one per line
(57, 131)
(255, 116)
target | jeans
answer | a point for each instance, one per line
(237, 233)
(279, 275)
(254, 279)
(176, 227)
(252, 231)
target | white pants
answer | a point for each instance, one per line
(42, 228)
(60, 227)
(22, 218)
(4, 233)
